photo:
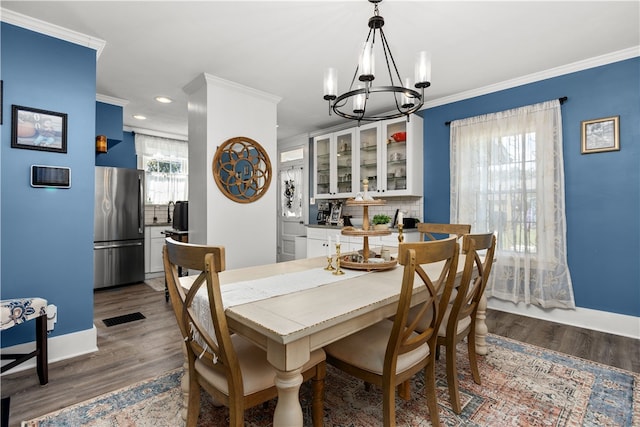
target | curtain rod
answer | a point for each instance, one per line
(561, 99)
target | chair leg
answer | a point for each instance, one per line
(42, 359)
(318, 395)
(193, 404)
(388, 404)
(430, 390)
(404, 390)
(473, 360)
(452, 377)
(6, 402)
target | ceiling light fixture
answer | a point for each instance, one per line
(139, 117)
(407, 99)
(164, 99)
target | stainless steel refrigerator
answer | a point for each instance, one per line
(118, 248)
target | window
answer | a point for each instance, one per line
(165, 162)
(507, 176)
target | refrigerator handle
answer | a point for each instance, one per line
(140, 205)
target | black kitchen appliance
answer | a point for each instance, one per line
(181, 216)
(410, 222)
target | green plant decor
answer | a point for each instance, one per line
(381, 219)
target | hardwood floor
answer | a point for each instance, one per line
(145, 348)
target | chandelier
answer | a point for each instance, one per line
(362, 93)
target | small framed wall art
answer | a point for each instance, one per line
(35, 129)
(600, 135)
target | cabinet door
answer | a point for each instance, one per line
(322, 165)
(402, 156)
(344, 161)
(368, 156)
(155, 255)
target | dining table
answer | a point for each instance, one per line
(292, 308)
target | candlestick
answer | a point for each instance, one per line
(337, 240)
(338, 270)
(328, 246)
(400, 235)
(329, 266)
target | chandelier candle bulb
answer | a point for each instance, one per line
(423, 70)
(407, 99)
(358, 102)
(330, 83)
(367, 63)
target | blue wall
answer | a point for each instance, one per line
(121, 154)
(46, 236)
(602, 189)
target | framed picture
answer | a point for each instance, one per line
(35, 129)
(601, 135)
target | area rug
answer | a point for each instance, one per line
(522, 385)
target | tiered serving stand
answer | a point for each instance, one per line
(366, 231)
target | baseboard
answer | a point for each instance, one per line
(612, 323)
(59, 348)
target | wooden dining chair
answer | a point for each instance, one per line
(428, 229)
(234, 371)
(459, 318)
(390, 352)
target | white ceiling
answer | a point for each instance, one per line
(282, 48)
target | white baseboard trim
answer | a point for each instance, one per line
(612, 323)
(59, 348)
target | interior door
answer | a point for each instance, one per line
(292, 205)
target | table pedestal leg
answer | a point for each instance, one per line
(288, 411)
(481, 327)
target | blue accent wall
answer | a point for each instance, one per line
(46, 235)
(602, 189)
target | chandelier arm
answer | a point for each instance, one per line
(386, 48)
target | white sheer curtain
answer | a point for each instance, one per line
(166, 163)
(507, 176)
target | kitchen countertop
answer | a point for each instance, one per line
(158, 224)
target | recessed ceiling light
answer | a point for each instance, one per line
(164, 99)
(139, 117)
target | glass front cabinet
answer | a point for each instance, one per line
(334, 161)
(388, 154)
(390, 157)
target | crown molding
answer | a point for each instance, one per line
(20, 20)
(596, 61)
(111, 100)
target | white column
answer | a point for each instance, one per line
(219, 110)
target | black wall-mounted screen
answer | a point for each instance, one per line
(50, 176)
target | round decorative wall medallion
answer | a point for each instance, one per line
(242, 170)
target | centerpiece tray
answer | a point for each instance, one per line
(368, 266)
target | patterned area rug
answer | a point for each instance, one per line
(523, 385)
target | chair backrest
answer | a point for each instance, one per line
(215, 349)
(435, 263)
(473, 283)
(428, 229)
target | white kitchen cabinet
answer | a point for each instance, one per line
(390, 157)
(154, 241)
(334, 160)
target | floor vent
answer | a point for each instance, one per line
(126, 318)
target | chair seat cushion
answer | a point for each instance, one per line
(366, 349)
(19, 310)
(257, 372)
(462, 323)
